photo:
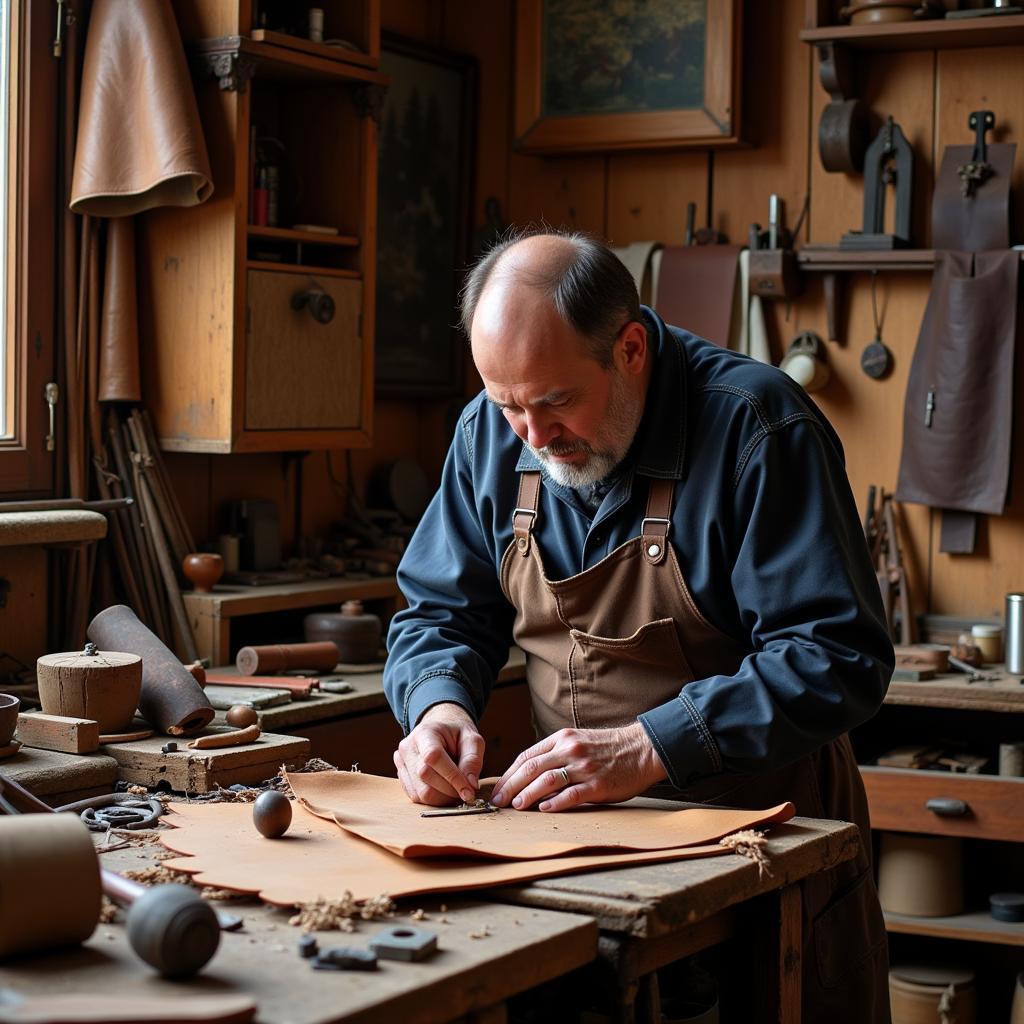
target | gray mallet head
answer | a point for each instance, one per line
(172, 928)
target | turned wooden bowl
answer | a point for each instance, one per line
(203, 569)
(9, 707)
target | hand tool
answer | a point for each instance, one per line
(169, 926)
(774, 220)
(448, 812)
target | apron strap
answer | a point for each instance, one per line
(524, 516)
(657, 521)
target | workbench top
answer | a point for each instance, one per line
(487, 953)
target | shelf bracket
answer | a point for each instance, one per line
(843, 128)
(232, 70)
(369, 101)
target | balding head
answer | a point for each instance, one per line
(588, 286)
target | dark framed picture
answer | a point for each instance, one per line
(630, 75)
(424, 204)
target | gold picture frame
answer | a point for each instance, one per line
(624, 65)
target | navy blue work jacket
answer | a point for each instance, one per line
(765, 529)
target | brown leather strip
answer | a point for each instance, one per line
(657, 521)
(525, 515)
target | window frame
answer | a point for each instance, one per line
(26, 467)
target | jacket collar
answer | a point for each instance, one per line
(660, 446)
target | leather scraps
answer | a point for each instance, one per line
(319, 860)
(377, 809)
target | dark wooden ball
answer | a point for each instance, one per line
(241, 716)
(272, 814)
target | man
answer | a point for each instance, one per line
(666, 528)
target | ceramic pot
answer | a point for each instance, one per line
(101, 685)
(872, 12)
(920, 875)
(9, 707)
(915, 994)
(203, 569)
(354, 632)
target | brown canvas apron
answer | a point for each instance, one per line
(625, 636)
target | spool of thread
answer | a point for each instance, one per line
(1015, 634)
(1011, 759)
(989, 639)
(316, 24)
(47, 855)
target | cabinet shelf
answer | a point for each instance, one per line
(308, 237)
(303, 268)
(279, 62)
(975, 926)
(936, 34)
(322, 50)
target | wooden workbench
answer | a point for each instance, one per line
(651, 915)
(469, 979)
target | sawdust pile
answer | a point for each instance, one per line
(750, 843)
(341, 915)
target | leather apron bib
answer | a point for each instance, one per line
(625, 636)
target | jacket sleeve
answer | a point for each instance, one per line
(451, 641)
(806, 595)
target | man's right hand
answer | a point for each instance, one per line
(439, 761)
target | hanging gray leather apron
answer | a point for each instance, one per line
(625, 636)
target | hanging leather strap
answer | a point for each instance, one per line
(657, 522)
(524, 516)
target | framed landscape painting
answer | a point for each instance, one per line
(598, 76)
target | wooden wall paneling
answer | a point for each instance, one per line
(190, 477)
(777, 80)
(323, 501)
(648, 193)
(23, 617)
(868, 414)
(253, 476)
(417, 19)
(566, 192)
(484, 31)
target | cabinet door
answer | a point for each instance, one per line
(301, 374)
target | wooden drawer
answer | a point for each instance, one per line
(898, 800)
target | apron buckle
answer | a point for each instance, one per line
(655, 541)
(523, 531)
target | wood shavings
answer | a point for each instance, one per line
(339, 915)
(137, 790)
(238, 796)
(444, 908)
(750, 843)
(210, 892)
(419, 914)
(157, 874)
(108, 910)
(482, 933)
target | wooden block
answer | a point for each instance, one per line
(202, 771)
(55, 732)
(913, 675)
(60, 778)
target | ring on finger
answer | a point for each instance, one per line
(564, 772)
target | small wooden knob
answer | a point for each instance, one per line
(241, 716)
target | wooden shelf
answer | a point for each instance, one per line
(976, 926)
(280, 62)
(829, 259)
(308, 237)
(302, 268)
(951, 690)
(934, 34)
(323, 50)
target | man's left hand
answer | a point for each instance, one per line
(577, 766)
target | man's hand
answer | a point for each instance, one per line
(599, 766)
(439, 761)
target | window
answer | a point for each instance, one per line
(28, 204)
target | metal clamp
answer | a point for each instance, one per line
(655, 519)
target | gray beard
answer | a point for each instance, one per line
(616, 436)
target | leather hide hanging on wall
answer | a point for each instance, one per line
(958, 413)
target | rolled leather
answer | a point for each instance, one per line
(696, 289)
(140, 143)
(119, 326)
(957, 455)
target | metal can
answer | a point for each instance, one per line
(1014, 641)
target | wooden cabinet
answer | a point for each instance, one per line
(985, 810)
(257, 307)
